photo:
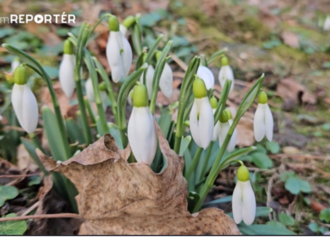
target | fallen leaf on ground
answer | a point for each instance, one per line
(245, 133)
(24, 160)
(290, 39)
(288, 89)
(163, 100)
(130, 199)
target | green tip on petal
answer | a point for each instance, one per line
(102, 86)
(228, 114)
(128, 22)
(213, 102)
(158, 54)
(140, 96)
(68, 47)
(263, 98)
(20, 75)
(199, 88)
(113, 24)
(223, 117)
(224, 61)
(243, 174)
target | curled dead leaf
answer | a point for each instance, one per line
(130, 199)
(289, 90)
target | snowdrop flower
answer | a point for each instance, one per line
(127, 23)
(216, 128)
(24, 102)
(90, 93)
(326, 24)
(244, 201)
(141, 128)
(226, 73)
(166, 79)
(232, 142)
(149, 76)
(205, 73)
(224, 128)
(263, 122)
(66, 71)
(119, 52)
(14, 64)
(201, 115)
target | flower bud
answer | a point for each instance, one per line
(199, 88)
(213, 102)
(223, 117)
(262, 98)
(128, 22)
(68, 47)
(140, 96)
(113, 23)
(20, 76)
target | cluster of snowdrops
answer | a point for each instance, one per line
(209, 120)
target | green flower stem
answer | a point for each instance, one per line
(125, 89)
(97, 95)
(36, 142)
(217, 167)
(90, 111)
(137, 37)
(111, 94)
(194, 163)
(33, 64)
(185, 93)
(217, 55)
(158, 73)
(152, 50)
(207, 158)
(97, 23)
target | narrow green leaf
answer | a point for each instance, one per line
(74, 131)
(261, 160)
(285, 219)
(218, 201)
(184, 145)
(236, 155)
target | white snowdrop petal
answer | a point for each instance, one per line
(149, 76)
(204, 73)
(206, 122)
(17, 101)
(259, 123)
(269, 123)
(123, 29)
(14, 65)
(104, 100)
(127, 56)
(89, 90)
(194, 124)
(224, 127)
(249, 203)
(66, 74)
(153, 140)
(226, 73)
(30, 110)
(113, 55)
(237, 203)
(232, 142)
(216, 130)
(131, 133)
(166, 81)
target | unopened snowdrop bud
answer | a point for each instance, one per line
(205, 73)
(141, 128)
(263, 122)
(148, 75)
(201, 115)
(232, 142)
(226, 73)
(216, 128)
(119, 52)
(24, 102)
(103, 95)
(166, 79)
(224, 127)
(14, 64)
(66, 71)
(244, 201)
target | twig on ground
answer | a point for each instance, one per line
(42, 216)
(30, 209)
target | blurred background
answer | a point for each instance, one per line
(287, 40)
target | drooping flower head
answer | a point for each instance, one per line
(201, 115)
(205, 73)
(66, 71)
(141, 128)
(166, 79)
(127, 23)
(226, 73)
(232, 142)
(223, 128)
(244, 201)
(23, 101)
(263, 122)
(216, 128)
(119, 52)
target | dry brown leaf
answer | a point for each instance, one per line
(288, 89)
(42, 31)
(290, 39)
(24, 160)
(163, 100)
(130, 199)
(245, 134)
(66, 109)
